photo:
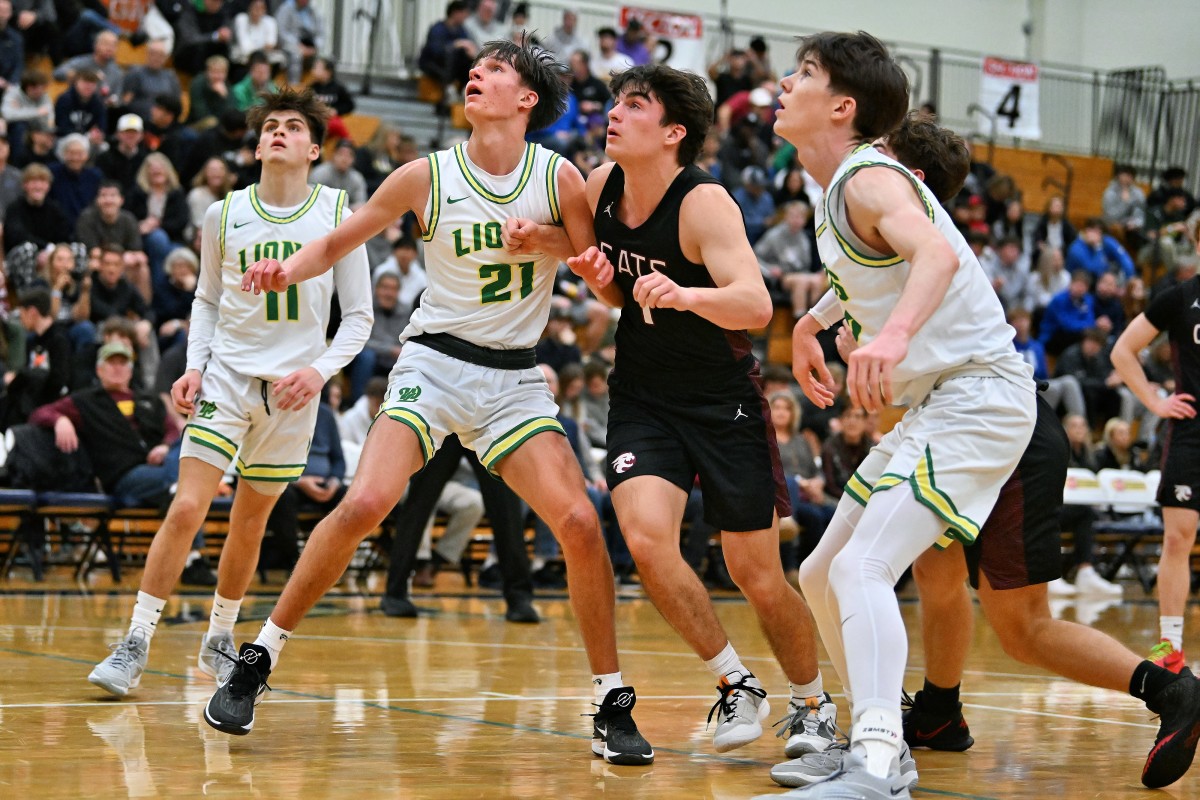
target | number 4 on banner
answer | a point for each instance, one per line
(1010, 106)
(1010, 90)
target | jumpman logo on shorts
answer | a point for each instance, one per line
(740, 414)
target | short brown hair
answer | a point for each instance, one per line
(940, 153)
(36, 171)
(316, 114)
(684, 97)
(860, 66)
(539, 70)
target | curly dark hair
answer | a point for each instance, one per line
(539, 70)
(685, 100)
(316, 114)
(860, 66)
(920, 143)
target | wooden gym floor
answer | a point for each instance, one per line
(460, 704)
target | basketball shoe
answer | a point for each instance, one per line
(231, 709)
(615, 736)
(121, 672)
(811, 728)
(1166, 656)
(740, 710)
(1178, 708)
(817, 767)
(931, 728)
(217, 656)
(852, 781)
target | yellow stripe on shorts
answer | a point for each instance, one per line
(211, 439)
(419, 426)
(962, 528)
(514, 438)
(276, 473)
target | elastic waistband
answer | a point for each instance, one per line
(463, 350)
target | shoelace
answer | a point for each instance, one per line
(907, 702)
(728, 706)
(1161, 650)
(243, 682)
(806, 719)
(617, 720)
(123, 653)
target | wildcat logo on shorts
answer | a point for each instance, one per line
(408, 394)
(624, 463)
(1183, 493)
(207, 409)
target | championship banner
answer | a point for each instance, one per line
(680, 36)
(1009, 90)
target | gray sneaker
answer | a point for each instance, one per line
(121, 672)
(217, 656)
(811, 728)
(820, 767)
(740, 712)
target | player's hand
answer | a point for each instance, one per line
(656, 290)
(184, 391)
(267, 275)
(519, 236)
(157, 455)
(593, 266)
(293, 392)
(807, 359)
(869, 378)
(65, 436)
(846, 343)
(1176, 406)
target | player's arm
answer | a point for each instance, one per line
(1137, 337)
(586, 260)
(205, 310)
(884, 209)
(406, 189)
(711, 232)
(807, 355)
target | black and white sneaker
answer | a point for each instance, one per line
(231, 709)
(615, 735)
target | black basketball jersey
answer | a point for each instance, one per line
(664, 347)
(1177, 311)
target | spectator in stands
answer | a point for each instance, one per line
(37, 20)
(246, 92)
(301, 35)
(146, 82)
(383, 347)
(82, 21)
(518, 28)
(845, 450)
(256, 30)
(1048, 279)
(1118, 450)
(80, 109)
(1172, 178)
(1063, 390)
(1009, 274)
(12, 49)
(756, 107)
(224, 141)
(557, 347)
(107, 222)
(591, 94)
(173, 297)
(607, 61)
(636, 43)
(102, 62)
(755, 201)
(1088, 361)
(209, 186)
(732, 73)
(449, 49)
(34, 220)
(1185, 270)
(1053, 228)
(1109, 307)
(328, 89)
(1079, 436)
(47, 369)
(23, 103)
(132, 443)
(1070, 313)
(70, 294)
(564, 40)
(1012, 224)
(112, 293)
(75, 183)
(565, 133)
(1124, 206)
(485, 25)
(804, 479)
(339, 173)
(595, 401)
(122, 160)
(786, 257)
(996, 196)
(10, 178)
(741, 149)
(404, 265)
(1097, 252)
(355, 423)
(1167, 231)
(158, 202)
(164, 133)
(200, 33)
(387, 151)
(209, 93)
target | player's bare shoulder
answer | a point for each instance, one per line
(707, 214)
(596, 180)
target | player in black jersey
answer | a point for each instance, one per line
(686, 396)
(1176, 311)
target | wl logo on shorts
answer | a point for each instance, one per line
(408, 394)
(207, 409)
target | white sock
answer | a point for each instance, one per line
(726, 663)
(603, 684)
(802, 691)
(876, 737)
(224, 614)
(273, 638)
(148, 610)
(1172, 630)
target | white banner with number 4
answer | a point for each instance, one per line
(1009, 90)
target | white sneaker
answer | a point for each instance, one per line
(740, 712)
(1088, 581)
(1060, 588)
(121, 672)
(218, 656)
(819, 767)
(811, 728)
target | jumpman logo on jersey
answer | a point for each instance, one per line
(1196, 304)
(608, 210)
(740, 414)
